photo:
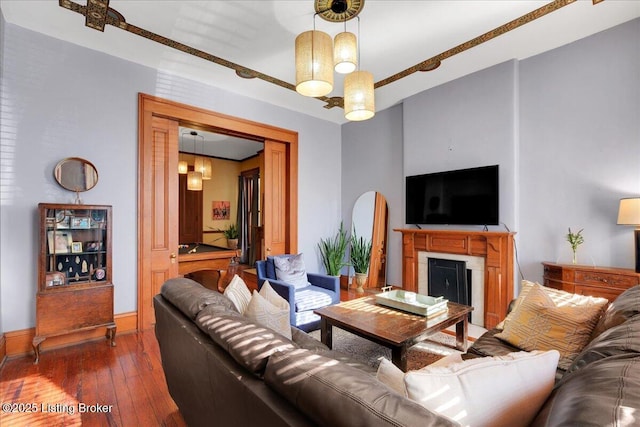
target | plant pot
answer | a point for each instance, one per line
(361, 279)
(232, 243)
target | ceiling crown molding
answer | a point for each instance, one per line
(98, 14)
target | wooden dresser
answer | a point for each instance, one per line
(606, 282)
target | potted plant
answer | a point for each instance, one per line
(360, 256)
(231, 233)
(333, 250)
(575, 240)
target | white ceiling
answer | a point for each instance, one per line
(394, 35)
(217, 145)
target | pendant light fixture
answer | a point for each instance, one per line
(194, 177)
(345, 52)
(314, 75)
(359, 98)
(314, 63)
(183, 167)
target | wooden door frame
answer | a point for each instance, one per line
(190, 115)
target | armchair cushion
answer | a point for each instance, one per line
(291, 269)
(312, 297)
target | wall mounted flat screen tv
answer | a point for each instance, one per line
(458, 197)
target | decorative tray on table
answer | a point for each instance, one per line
(423, 305)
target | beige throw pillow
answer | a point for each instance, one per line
(538, 324)
(560, 298)
(238, 292)
(499, 391)
(269, 309)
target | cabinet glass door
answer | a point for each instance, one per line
(76, 247)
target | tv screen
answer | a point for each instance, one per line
(459, 197)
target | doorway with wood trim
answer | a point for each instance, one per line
(158, 189)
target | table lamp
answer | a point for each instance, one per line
(629, 214)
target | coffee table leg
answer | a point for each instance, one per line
(461, 334)
(399, 357)
(326, 333)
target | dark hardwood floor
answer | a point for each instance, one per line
(127, 382)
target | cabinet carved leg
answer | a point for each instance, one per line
(36, 348)
(111, 335)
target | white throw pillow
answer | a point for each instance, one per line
(269, 309)
(291, 269)
(391, 375)
(239, 294)
(490, 391)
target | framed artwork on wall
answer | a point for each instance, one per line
(221, 210)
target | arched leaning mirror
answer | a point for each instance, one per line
(76, 174)
(369, 220)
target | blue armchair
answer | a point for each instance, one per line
(321, 291)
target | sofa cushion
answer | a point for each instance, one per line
(501, 391)
(291, 269)
(248, 343)
(269, 309)
(604, 393)
(312, 297)
(331, 393)
(560, 298)
(238, 292)
(190, 296)
(538, 324)
(625, 306)
(620, 339)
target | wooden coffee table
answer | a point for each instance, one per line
(395, 329)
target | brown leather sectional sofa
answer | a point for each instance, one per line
(224, 370)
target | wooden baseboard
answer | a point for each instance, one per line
(18, 343)
(3, 349)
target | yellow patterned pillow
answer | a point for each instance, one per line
(560, 298)
(539, 324)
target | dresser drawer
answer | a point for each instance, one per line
(605, 279)
(553, 273)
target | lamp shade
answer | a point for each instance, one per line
(203, 165)
(629, 211)
(314, 63)
(194, 181)
(345, 53)
(359, 101)
(183, 167)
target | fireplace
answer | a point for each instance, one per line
(492, 283)
(473, 275)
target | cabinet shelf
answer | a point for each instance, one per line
(75, 289)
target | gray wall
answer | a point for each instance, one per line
(2, 154)
(62, 100)
(372, 160)
(564, 126)
(580, 148)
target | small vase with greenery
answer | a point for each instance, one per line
(360, 256)
(333, 250)
(231, 233)
(575, 240)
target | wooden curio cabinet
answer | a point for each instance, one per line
(75, 289)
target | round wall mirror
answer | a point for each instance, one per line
(76, 174)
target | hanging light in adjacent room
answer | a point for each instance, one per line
(203, 165)
(194, 177)
(183, 167)
(345, 52)
(194, 181)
